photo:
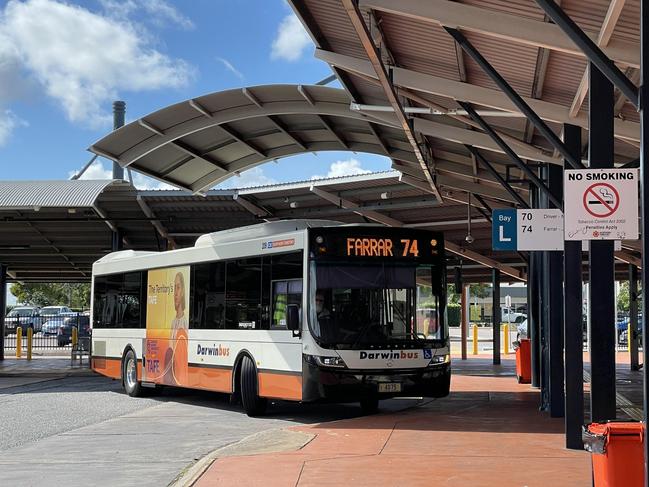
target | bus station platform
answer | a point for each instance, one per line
(489, 431)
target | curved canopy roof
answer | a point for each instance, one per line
(200, 142)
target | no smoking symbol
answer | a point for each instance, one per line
(601, 200)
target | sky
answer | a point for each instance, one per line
(63, 63)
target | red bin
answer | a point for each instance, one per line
(524, 362)
(617, 453)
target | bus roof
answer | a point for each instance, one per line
(260, 230)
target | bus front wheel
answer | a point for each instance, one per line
(252, 403)
(129, 375)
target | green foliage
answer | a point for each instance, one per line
(480, 290)
(452, 296)
(74, 295)
(623, 298)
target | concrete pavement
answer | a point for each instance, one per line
(489, 432)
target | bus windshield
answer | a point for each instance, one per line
(356, 306)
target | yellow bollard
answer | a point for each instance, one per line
(629, 336)
(19, 341)
(475, 339)
(505, 338)
(75, 336)
(30, 339)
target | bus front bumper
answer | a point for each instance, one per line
(345, 385)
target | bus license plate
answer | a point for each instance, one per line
(390, 387)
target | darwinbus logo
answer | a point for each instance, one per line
(389, 355)
(214, 350)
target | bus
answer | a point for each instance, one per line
(297, 310)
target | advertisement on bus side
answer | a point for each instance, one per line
(167, 322)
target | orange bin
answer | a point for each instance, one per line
(524, 362)
(617, 453)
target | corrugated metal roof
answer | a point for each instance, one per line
(53, 194)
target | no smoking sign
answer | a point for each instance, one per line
(601, 200)
(601, 204)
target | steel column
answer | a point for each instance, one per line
(116, 240)
(495, 314)
(534, 308)
(464, 319)
(644, 204)
(632, 339)
(3, 308)
(119, 111)
(572, 317)
(601, 299)
(555, 309)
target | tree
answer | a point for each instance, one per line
(623, 298)
(74, 295)
(479, 290)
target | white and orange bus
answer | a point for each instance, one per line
(300, 310)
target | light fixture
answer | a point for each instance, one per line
(386, 195)
(469, 238)
(293, 204)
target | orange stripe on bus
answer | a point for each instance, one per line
(280, 386)
(110, 367)
(271, 384)
(211, 379)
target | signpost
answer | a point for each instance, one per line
(538, 229)
(601, 204)
(503, 229)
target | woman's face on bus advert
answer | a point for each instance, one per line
(179, 293)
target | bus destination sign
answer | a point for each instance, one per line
(376, 244)
(383, 247)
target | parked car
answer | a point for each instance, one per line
(521, 331)
(25, 317)
(64, 334)
(48, 311)
(509, 316)
(52, 325)
(623, 329)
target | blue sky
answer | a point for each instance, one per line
(63, 63)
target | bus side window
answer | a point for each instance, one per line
(285, 293)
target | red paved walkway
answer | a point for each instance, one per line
(487, 433)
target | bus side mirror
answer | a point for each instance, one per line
(293, 318)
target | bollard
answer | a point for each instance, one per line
(75, 337)
(505, 338)
(19, 341)
(30, 339)
(475, 339)
(629, 336)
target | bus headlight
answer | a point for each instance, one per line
(325, 361)
(440, 359)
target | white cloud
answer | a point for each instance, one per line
(158, 12)
(247, 179)
(230, 67)
(291, 40)
(349, 167)
(8, 122)
(82, 59)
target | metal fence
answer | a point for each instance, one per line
(49, 332)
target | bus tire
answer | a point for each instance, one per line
(370, 404)
(252, 403)
(129, 375)
(443, 385)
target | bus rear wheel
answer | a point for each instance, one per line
(129, 375)
(252, 403)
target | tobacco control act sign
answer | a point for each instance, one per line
(601, 204)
